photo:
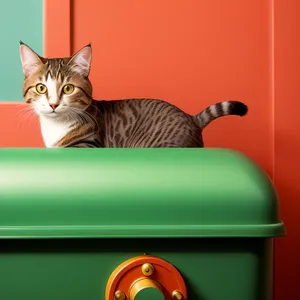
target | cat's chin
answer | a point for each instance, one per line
(53, 115)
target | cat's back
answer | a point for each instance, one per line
(142, 122)
(135, 107)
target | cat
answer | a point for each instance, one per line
(60, 92)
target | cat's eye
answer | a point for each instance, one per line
(68, 89)
(41, 88)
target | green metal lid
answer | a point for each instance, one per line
(134, 193)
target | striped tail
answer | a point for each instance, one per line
(219, 110)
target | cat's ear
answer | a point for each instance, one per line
(30, 60)
(81, 60)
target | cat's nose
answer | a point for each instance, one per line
(54, 106)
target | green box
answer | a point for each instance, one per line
(69, 217)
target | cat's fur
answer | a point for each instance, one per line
(76, 120)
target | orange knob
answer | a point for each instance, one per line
(146, 275)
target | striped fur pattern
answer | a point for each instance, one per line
(59, 91)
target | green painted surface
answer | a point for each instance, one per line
(213, 269)
(187, 206)
(19, 20)
(134, 193)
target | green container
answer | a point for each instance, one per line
(69, 217)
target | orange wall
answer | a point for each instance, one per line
(18, 126)
(191, 53)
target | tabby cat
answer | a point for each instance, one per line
(60, 92)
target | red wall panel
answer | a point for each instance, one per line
(287, 145)
(190, 53)
(19, 126)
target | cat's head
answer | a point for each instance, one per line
(57, 87)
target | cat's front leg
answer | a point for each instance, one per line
(84, 145)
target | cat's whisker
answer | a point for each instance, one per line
(87, 117)
(74, 117)
(28, 114)
(24, 109)
(23, 112)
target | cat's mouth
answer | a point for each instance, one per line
(52, 114)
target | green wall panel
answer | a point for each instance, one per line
(19, 20)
